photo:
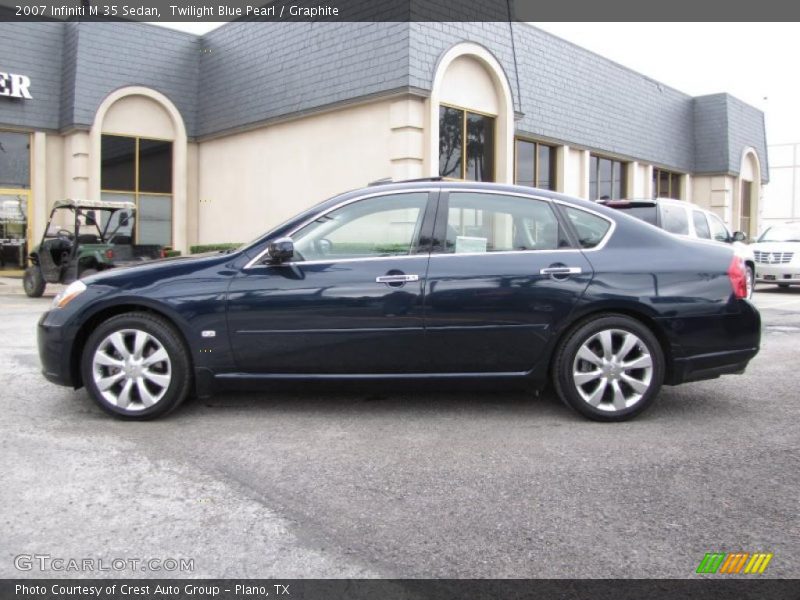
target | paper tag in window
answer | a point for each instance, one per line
(466, 244)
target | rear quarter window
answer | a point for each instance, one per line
(591, 229)
(674, 219)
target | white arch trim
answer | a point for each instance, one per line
(504, 167)
(750, 153)
(179, 157)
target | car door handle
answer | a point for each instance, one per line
(561, 271)
(396, 278)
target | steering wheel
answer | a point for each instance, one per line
(65, 233)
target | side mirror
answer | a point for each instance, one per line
(281, 249)
(739, 236)
(123, 220)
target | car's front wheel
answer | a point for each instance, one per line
(136, 366)
(609, 368)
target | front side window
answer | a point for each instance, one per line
(606, 178)
(466, 145)
(535, 164)
(375, 227)
(139, 170)
(666, 184)
(701, 225)
(591, 229)
(478, 223)
(674, 218)
(718, 230)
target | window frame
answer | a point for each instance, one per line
(623, 179)
(136, 193)
(464, 111)
(656, 182)
(553, 176)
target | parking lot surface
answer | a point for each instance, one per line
(404, 482)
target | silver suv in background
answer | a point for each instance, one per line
(684, 218)
(777, 253)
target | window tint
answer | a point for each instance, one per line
(118, 163)
(496, 223)
(379, 226)
(718, 230)
(701, 225)
(535, 164)
(606, 178)
(590, 228)
(674, 218)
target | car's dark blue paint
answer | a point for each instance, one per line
(468, 315)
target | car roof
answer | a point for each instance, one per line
(94, 204)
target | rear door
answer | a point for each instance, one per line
(503, 277)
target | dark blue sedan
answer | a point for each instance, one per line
(418, 280)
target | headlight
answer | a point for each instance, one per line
(68, 295)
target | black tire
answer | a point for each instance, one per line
(33, 282)
(179, 369)
(565, 363)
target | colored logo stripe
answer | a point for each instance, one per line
(733, 562)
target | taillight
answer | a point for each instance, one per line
(109, 253)
(738, 277)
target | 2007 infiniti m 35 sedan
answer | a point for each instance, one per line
(415, 280)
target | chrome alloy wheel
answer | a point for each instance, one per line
(612, 370)
(131, 369)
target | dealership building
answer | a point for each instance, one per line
(218, 137)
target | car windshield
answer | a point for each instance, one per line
(782, 233)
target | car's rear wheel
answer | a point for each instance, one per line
(33, 282)
(609, 368)
(136, 366)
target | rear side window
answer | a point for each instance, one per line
(590, 228)
(496, 223)
(648, 214)
(674, 218)
(701, 225)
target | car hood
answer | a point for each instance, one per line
(776, 246)
(163, 267)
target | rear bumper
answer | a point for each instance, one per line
(54, 352)
(710, 366)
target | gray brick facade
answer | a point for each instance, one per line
(243, 74)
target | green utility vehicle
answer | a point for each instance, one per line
(82, 238)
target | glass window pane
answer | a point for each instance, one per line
(381, 226)
(118, 163)
(154, 220)
(701, 225)
(618, 176)
(674, 218)
(451, 124)
(663, 185)
(604, 179)
(718, 230)
(675, 185)
(546, 179)
(15, 160)
(593, 178)
(480, 148)
(590, 228)
(155, 166)
(525, 163)
(495, 223)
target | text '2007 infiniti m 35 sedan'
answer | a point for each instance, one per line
(416, 280)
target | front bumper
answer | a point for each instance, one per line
(55, 351)
(788, 273)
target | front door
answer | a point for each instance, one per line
(349, 302)
(503, 280)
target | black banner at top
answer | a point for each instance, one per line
(398, 10)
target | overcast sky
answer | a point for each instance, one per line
(753, 61)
